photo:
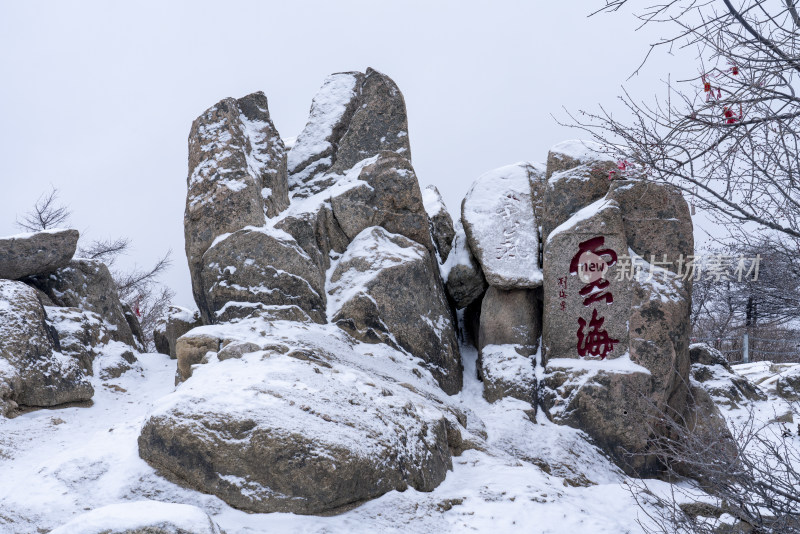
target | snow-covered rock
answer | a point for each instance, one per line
(32, 370)
(577, 174)
(353, 117)
(788, 384)
(386, 193)
(385, 289)
(331, 111)
(261, 265)
(711, 371)
(501, 227)
(80, 333)
(237, 176)
(441, 223)
(309, 423)
(142, 517)
(176, 321)
(508, 371)
(89, 286)
(461, 273)
(36, 253)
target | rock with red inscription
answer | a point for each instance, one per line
(586, 303)
(616, 304)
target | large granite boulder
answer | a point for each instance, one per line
(176, 322)
(353, 117)
(32, 370)
(88, 285)
(261, 265)
(441, 224)
(386, 193)
(577, 175)
(583, 290)
(310, 425)
(385, 289)
(461, 273)
(501, 228)
(36, 253)
(142, 517)
(616, 324)
(237, 176)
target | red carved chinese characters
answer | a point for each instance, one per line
(595, 342)
(590, 266)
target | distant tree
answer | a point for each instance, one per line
(47, 213)
(139, 288)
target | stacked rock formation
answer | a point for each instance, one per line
(56, 315)
(317, 281)
(582, 265)
(316, 373)
(501, 246)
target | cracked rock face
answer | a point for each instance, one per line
(237, 176)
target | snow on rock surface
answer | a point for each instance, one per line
(33, 372)
(385, 289)
(331, 110)
(237, 176)
(237, 428)
(501, 228)
(507, 372)
(526, 476)
(142, 517)
(441, 224)
(461, 273)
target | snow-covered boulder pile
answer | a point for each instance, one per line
(271, 422)
(500, 247)
(32, 370)
(55, 321)
(237, 176)
(142, 517)
(88, 285)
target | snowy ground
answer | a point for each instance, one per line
(56, 464)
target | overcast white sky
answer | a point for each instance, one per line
(97, 98)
